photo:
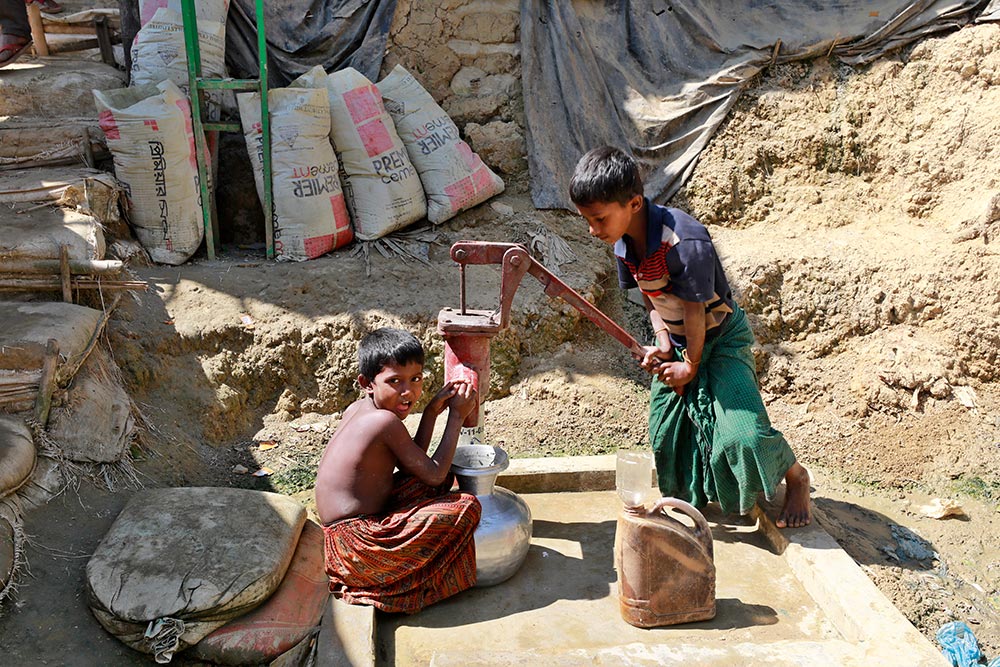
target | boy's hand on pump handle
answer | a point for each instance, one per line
(661, 363)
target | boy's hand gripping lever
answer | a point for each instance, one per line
(467, 332)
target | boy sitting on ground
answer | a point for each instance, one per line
(711, 437)
(402, 541)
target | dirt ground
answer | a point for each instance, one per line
(857, 214)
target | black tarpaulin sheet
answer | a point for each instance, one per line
(991, 13)
(304, 33)
(656, 78)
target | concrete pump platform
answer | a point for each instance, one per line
(791, 597)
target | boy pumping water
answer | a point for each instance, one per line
(397, 541)
(710, 433)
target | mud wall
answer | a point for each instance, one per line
(467, 54)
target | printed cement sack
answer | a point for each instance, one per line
(453, 176)
(148, 130)
(179, 563)
(382, 187)
(310, 217)
(205, 10)
(158, 51)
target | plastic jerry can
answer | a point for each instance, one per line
(666, 570)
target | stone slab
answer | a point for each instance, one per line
(346, 636)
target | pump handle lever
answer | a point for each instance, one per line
(515, 262)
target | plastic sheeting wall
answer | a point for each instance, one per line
(657, 77)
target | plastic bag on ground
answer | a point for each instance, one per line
(310, 215)
(453, 176)
(959, 644)
(382, 187)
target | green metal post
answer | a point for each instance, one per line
(265, 129)
(193, 50)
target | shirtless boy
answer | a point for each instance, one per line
(710, 433)
(397, 541)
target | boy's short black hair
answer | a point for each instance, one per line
(605, 174)
(387, 345)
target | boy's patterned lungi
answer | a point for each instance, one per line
(419, 552)
(716, 443)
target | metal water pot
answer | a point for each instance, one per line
(504, 531)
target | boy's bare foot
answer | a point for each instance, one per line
(796, 511)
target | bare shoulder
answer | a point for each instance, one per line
(367, 421)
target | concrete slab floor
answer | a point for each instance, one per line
(778, 602)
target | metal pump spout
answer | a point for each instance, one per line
(467, 333)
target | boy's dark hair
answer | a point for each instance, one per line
(605, 174)
(387, 345)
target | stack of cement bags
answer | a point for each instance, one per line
(148, 127)
(395, 163)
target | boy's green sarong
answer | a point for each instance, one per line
(716, 443)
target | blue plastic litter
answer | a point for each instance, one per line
(959, 644)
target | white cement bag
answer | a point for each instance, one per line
(158, 53)
(383, 189)
(205, 10)
(453, 176)
(310, 217)
(149, 133)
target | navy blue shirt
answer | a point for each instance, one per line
(680, 265)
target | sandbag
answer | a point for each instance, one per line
(310, 216)
(34, 142)
(454, 177)
(158, 50)
(284, 620)
(11, 546)
(205, 10)
(17, 454)
(179, 563)
(148, 129)
(43, 184)
(34, 233)
(93, 423)
(23, 338)
(383, 189)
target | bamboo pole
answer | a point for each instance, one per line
(55, 284)
(92, 267)
(37, 29)
(47, 383)
(64, 274)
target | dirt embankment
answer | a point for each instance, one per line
(856, 214)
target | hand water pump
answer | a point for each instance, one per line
(467, 333)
